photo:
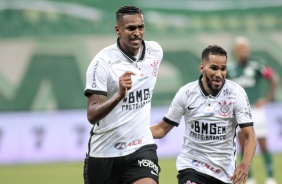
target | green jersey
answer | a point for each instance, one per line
(250, 76)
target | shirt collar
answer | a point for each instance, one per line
(132, 59)
(204, 92)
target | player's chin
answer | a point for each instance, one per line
(217, 87)
(135, 46)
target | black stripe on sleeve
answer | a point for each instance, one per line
(246, 125)
(170, 122)
(89, 92)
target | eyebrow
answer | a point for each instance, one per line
(135, 26)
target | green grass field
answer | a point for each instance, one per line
(71, 173)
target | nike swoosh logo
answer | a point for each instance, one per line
(190, 108)
(154, 173)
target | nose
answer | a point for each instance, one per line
(218, 73)
(136, 32)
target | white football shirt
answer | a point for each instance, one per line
(127, 127)
(210, 136)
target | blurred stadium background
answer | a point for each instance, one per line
(45, 49)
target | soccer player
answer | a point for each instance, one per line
(250, 74)
(208, 105)
(119, 86)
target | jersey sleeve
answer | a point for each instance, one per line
(96, 78)
(242, 109)
(176, 109)
(264, 70)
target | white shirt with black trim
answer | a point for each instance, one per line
(127, 127)
(210, 132)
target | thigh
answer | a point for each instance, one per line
(101, 170)
(191, 176)
(142, 166)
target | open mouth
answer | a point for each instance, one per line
(217, 82)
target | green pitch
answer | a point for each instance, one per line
(71, 173)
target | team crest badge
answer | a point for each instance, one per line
(155, 68)
(225, 108)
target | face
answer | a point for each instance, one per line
(130, 30)
(241, 52)
(214, 73)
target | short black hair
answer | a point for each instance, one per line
(127, 10)
(214, 50)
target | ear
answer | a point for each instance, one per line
(201, 67)
(117, 30)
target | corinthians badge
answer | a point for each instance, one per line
(225, 108)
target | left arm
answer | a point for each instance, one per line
(242, 170)
(273, 80)
(161, 129)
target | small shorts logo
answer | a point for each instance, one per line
(150, 164)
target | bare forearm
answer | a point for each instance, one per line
(99, 110)
(249, 149)
(160, 130)
(274, 81)
(157, 132)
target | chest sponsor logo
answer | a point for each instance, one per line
(136, 99)
(207, 166)
(207, 131)
(111, 63)
(123, 145)
(228, 92)
(150, 50)
(143, 78)
(225, 108)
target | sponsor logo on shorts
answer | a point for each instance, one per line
(153, 172)
(150, 164)
(207, 166)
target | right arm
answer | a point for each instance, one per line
(99, 107)
(161, 129)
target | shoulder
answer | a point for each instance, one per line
(189, 87)
(153, 47)
(233, 86)
(106, 54)
(256, 64)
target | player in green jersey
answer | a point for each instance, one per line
(250, 74)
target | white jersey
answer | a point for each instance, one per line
(127, 127)
(210, 136)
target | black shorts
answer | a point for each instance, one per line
(194, 177)
(143, 163)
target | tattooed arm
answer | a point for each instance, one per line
(98, 107)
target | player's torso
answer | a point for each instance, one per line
(209, 140)
(209, 117)
(143, 81)
(126, 128)
(249, 77)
